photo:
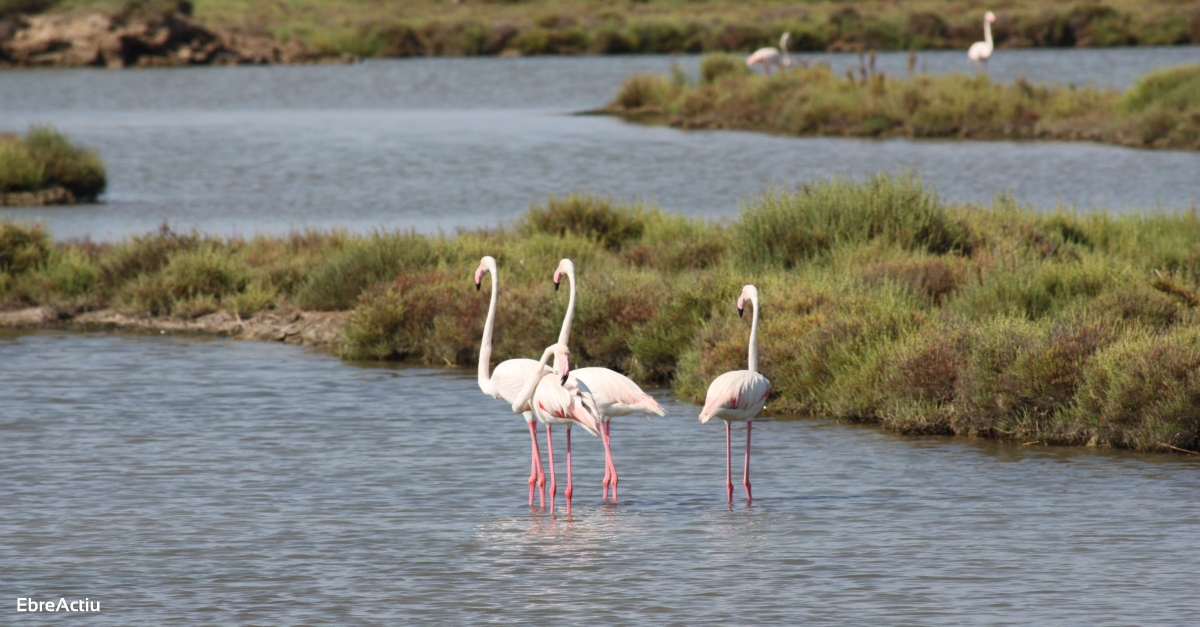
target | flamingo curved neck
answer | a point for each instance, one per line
(987, 34)
(753, 357)
(787, 59)
(485, 346)
(565, 333)
(526, 394)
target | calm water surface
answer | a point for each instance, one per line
(446, 143)
(183, 481)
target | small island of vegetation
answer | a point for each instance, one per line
(45, 168)
(880, 303)
(1162, 110)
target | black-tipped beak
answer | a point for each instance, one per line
(556, 286)
(741, 311)
(564, 379)
(478, 286)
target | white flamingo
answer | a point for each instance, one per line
(509, 377)
(981, 51)
(772, 56)
(615, 394)
(555, 401)
(739, 395)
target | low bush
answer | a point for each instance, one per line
(880, 304)
(43, 159)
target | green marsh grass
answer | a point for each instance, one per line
(880, 303)
(44, 158)
(1162, 110)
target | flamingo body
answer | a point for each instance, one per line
(614, 393)
(555, 401)
(736, 396)
(739, 395)
(981, 51)
(768, 56)
(508, 378)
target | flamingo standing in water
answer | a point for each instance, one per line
(555, 401)
(614, 393)
(771, 56)
(509, 377)
(739, 395)
(981, 51)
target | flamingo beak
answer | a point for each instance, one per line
(741, 311)
(478, 286)
(556, 286)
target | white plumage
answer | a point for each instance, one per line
(767, 57)
(614, 393)
(739, 395)
(981, 51)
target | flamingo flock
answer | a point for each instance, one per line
(592, 397)
(978, 54)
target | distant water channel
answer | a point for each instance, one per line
(448, 143)
(182, 481)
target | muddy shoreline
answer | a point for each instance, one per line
(320, 329)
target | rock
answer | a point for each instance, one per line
(51, 196)
(31, 317)
(73, 39)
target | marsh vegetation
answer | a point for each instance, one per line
(1162, 110)
(46, 161)
(881, 304)
(433, 28)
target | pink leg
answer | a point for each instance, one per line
(607, 467)
(728, 463)
(550, 450)
(569, 485)
(612, 465)
(533, 461)
(746, 471)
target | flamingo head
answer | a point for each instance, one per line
(487, 264)
(562, 365)
(564, 267)
(990, 17)
(750, 293)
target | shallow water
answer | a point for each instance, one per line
(448, 143)
(188, 481)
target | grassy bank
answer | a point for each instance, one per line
(880, 303)
(46, 160)
(482, 27)
(1162, 110)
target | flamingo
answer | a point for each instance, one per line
(981, 51)
(507, 380)
(555, 401)
(768, 56)
(739, 395)
(614, 393)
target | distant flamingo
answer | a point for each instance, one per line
(981, 51)
(555, 401)
(614, 393)
(507, 380)
(771, 56)
(739, 395)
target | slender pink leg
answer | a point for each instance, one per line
(607, 466)
(532, 463)
(535, 473)
(746, 471)
(728, 463)
(570, 489)
(550, 450)
(611, 464)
